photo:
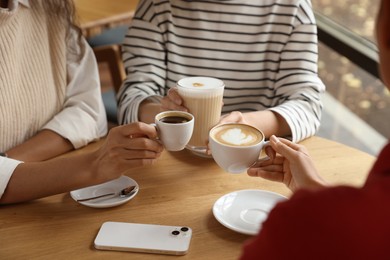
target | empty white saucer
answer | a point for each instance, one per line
(113, 186)
(244, 211)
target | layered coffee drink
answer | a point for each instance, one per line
(202, 96)
(237, 135)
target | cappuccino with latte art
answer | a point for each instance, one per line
(237, 135)
(235, 147)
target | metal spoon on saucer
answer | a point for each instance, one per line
(126, 192)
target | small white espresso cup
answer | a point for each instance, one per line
(174, 129)
(235, 147)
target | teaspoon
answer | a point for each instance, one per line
(126, 192)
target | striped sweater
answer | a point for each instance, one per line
(264, 51)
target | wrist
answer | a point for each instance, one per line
(147, 111)
(317, 184)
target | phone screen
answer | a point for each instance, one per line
(147, 238)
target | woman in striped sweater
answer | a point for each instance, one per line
(264, 51)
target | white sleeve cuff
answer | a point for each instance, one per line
(7, 167)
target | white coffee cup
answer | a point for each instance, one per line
(235, 147)
(203, 97)
(174, 129)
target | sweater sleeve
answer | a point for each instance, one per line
(144, 61)
(83, 117)
(297, 83)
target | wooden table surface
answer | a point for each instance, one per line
(97, 15)
(180, 189)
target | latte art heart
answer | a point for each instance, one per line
(237, 137)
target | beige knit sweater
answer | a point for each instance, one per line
(32, 72)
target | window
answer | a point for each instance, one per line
(356, 15)
(348, 67)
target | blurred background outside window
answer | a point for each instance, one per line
(356, 105)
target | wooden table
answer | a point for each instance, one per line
(180, 189)
(97, 15)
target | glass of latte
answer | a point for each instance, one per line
(202, 96)
(235, 147)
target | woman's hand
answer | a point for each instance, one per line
(126, 147)
(289, 163)
(172, 101)
(233, 117)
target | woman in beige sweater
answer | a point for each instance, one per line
(50, 103)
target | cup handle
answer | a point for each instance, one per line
(155, 126)
(266, 157)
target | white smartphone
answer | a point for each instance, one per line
(145, 238)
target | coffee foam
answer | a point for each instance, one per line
(237, 137)
(201, 83)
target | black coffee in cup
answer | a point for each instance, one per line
(174, 120)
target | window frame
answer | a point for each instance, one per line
(356, 48)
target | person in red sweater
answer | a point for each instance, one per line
(322, 222)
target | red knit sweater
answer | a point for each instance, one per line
(335, 223)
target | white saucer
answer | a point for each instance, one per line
(244, 211)
(201, 154)
(107, 187)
